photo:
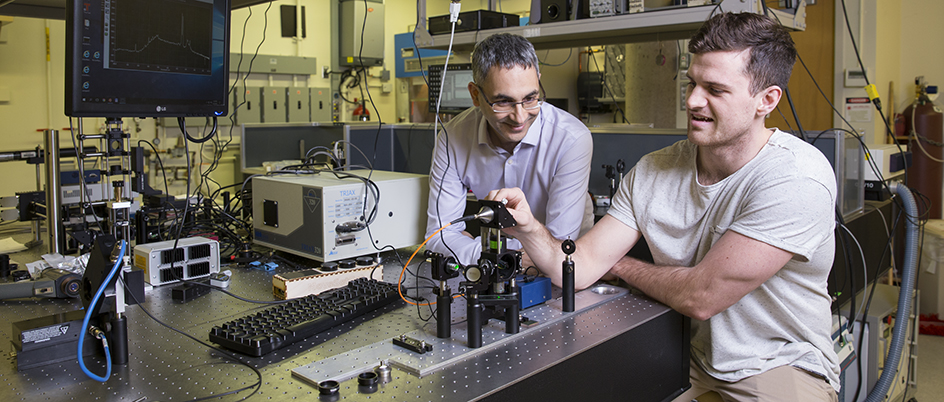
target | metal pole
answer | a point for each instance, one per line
(37, 226)
(80, 158)
(52, 190)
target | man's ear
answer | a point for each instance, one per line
(768, 100)
(474, 93)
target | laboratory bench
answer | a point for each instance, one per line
(624, 346)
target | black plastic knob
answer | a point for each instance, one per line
(329, 266)
(568, 247)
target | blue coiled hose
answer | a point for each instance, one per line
(88, 315)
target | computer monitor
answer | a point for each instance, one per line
(147, 58)
(455, 88)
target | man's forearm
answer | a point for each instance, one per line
(672, 286)
(544, 251)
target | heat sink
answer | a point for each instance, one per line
(194, 257)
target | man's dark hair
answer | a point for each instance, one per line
(503, 50)
(772, 51)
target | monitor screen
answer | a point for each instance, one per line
(455, 87)
(147, 58)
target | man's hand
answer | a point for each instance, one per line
(518, 206)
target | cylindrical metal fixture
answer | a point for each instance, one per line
(567, 285)
(118, 339)
(474, 320)
(52, 190)
(512, 318)
(443, 312)
(567, 276)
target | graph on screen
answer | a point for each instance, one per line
(159, 35)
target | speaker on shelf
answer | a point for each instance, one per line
(544, 11)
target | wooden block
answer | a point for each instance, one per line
(296, 284)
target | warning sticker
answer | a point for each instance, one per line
(44, 334)
(858, 110)
(140, 261)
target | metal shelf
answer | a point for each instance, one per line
(56, 9)
(662, 24)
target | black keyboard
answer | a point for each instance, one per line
(282, 325)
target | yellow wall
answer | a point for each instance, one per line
(920, 46)
(36, 96)
(888, 58)
(906, 33)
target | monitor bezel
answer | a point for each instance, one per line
(214, 104)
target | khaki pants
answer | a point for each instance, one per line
(785, 383)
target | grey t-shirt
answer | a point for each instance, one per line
(784, 197)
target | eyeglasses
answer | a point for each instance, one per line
(530, 103)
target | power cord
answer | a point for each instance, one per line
(257, 385)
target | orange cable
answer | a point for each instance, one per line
(400, 279)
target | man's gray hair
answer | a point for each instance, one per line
(503, 50)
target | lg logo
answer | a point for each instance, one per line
(162, 108)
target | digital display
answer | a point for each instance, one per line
(455, 88)
(147, 58)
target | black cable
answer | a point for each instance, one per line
(205, 178)
(181, 122)
(850, 270)
(344, 76)
(843, 118)
(160, 162)
(878, 173)
(876, 101)
(569, 54)
(868, 303)
(418, 298)
(845, 16)
(785, 119)
(183, 220)
(795, 117)
(869, 159)
(438, 123)
(183, 217)
(265, 25)
(166, 188)
(787, 90)
(215, 193)
(231, 356)
(78, 154)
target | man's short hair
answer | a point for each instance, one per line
(772, 51)
(503, 50)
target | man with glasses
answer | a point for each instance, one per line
(511, 138)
